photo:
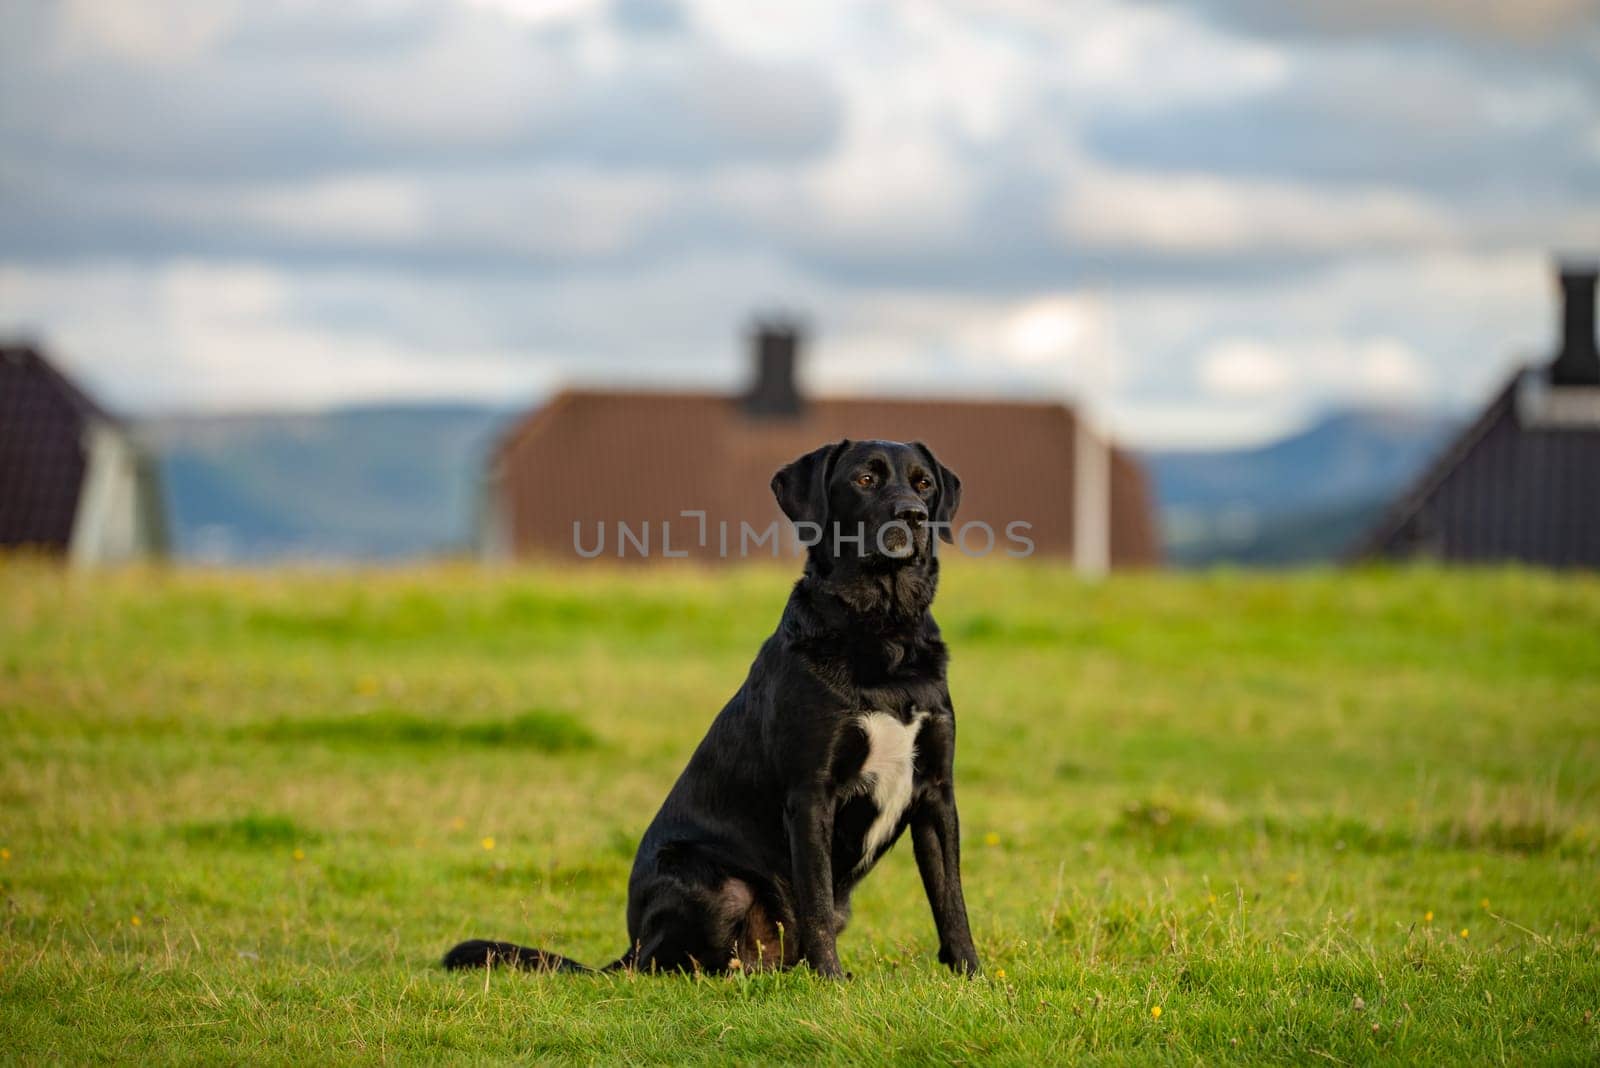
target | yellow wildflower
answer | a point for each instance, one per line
(1155, 1012)
(299, 854)
(1427, 917)
(1464, 932)
(135, 921)
(488, 841)
(991, 839)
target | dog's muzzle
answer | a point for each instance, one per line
(902, 535)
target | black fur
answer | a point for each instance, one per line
(751, 861)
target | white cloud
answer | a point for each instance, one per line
(206, 337)
(1389, 371)
(1187, 425)
(1053, 344)
(1049, 329)
(907, 190)
(1240, 367)
(152, 32)
(575, 212)
(941, 97)
(1139, 58)
(379, 209)
(1372, 370)
(1194, 213)
(540, 12)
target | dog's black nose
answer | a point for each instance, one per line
(913, 515)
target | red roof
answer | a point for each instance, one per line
(636, 457)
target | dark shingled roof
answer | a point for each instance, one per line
(1502, 491)
(42, 420)
(636, 457)
(1523, 482)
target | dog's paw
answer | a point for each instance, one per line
(960, 963)
(829, 970)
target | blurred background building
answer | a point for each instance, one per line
(593, 458)
(1522, 482)
(73, 481)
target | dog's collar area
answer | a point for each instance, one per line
(899, 596)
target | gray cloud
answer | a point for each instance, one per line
(323, 90)
(1394, 118)
(1524, 23)
(650, 16)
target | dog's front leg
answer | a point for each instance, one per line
(936, 840)
(808, 817)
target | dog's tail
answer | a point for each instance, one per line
(482, 953)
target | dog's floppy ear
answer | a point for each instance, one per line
(949, 497)
(802, 487)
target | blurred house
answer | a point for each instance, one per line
(1523, 482)
(72, 479)
(594, 458)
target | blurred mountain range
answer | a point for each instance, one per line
(386, 483)
(1300, 499)
(370, 483)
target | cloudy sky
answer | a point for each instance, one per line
(1209, 218)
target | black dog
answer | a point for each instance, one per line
(840, 738)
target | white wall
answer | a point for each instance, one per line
(112, 524)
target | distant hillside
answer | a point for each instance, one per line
(360, 483)
(1303, 498)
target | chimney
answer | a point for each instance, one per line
(1577, 363)
(776, 346)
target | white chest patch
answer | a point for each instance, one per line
(886, 776)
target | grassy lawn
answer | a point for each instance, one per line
(1352, 817)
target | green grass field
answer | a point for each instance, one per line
(1352, 817)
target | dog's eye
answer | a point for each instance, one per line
(865, 479)
(923, 483)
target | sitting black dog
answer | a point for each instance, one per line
(840, 738)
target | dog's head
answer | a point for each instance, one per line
(873, 502)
